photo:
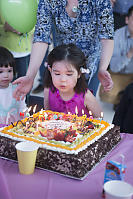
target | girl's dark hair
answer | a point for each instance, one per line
(72, 54)
(130, 10)
(6, 58)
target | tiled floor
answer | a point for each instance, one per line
(107, 108)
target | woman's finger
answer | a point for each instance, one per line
(22, 96)
(17, 81)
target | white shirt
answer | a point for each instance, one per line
(10, 108)
(122, 43)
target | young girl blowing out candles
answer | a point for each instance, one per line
(65, 85)
(9, 107)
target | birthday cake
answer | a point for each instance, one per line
(68, 144)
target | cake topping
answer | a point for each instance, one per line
(62, 131)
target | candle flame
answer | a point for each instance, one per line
(41, 112)
(25, 110)
(76, 110)
(29, 108)
(90, 113)
(34, 109)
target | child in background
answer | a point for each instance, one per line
(65, 85)
(9, 107)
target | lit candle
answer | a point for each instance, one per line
(90, 115)
(69, 115)
(76, 110)
(45, 115)
(101, 116)
(27, 123)
(41, 115)
(83, 115)
(29, 109)
(27, 112)
(34, 109)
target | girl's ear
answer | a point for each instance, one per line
(79, 75)
(50, 70)
(126, 20)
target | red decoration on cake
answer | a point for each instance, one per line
(22, 114)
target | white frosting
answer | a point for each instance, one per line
(59, 124)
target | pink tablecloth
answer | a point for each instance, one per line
(47, 185)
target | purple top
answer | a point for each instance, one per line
(57, 104)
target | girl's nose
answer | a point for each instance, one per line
(63, 78)
(6, 74)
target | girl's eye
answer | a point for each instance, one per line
(1, 71)
(57, 74)
(10, 70)
(69, 74)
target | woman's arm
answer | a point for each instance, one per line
(106, 33)
(92, 104)
(106, 54)
(37, 54)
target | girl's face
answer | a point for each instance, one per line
(6, 76)
(129, 22)
(64, 76)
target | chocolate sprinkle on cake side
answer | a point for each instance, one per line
(73, 165)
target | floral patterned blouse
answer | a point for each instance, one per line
(94, 21)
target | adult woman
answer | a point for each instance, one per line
(86, 23)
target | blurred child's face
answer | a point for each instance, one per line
(129, 22)
(6, 76)
(64, 76)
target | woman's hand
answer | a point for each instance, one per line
(7, 27)
(105, 79)
(25, 84)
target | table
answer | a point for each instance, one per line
(47, 185)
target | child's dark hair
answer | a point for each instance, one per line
(130, 11)
(6, 58)
(75, 56)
